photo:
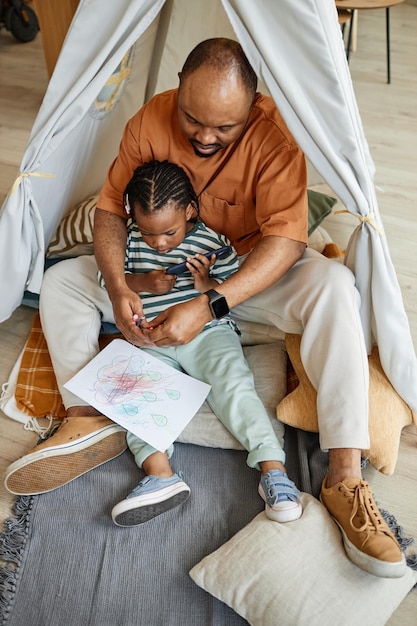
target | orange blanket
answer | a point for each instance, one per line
(37, 393)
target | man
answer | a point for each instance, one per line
(250, 177)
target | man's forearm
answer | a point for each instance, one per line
(110, 234)
(264, 266)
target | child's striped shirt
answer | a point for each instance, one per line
(140, 258)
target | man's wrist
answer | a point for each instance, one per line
(217, 304)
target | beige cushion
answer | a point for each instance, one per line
(388, 413)
(298, 574)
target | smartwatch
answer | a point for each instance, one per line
(217, 303)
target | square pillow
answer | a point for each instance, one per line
(319, 206)
(74, 235)
(298, 573)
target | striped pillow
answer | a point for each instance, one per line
(74, 235)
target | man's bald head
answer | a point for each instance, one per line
(222, 57)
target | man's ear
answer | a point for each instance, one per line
(179, 76)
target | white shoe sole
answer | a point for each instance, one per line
(282, 516)
(291, 512)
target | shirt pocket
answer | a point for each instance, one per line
(227, 219)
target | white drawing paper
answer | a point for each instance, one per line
(140, 392)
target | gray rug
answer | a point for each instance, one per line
(74, 567)
(78, 568)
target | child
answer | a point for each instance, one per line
(165, 230)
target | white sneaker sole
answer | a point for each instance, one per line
(291, 512)
(282, 516)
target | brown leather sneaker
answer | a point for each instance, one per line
(368, 541)
(79, 444)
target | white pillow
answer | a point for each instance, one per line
(268, 363)
(298, 574)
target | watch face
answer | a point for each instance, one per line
(219, 307)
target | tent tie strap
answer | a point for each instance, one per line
(369, 219)
(23, 175)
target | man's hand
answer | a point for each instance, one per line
(127, 309)
(180, 323)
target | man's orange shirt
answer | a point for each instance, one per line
(253, 188)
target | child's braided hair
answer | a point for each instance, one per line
(157, 183)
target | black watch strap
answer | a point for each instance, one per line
(217, 303)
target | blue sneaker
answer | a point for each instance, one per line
(150, 498)
(280, 496)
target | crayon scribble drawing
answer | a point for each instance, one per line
(142, 393)
(129, 386)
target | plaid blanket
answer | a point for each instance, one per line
(37, 393)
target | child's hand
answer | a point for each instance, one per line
(157, 282)
(199, 267)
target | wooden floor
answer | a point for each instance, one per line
(389, 114)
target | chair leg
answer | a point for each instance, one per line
(388, 45)
(349, 41)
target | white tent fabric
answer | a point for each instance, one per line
(66, 142)
(297, 52)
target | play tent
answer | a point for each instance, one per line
(118, 54)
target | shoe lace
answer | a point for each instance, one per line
(365, 509)
(43, 431)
